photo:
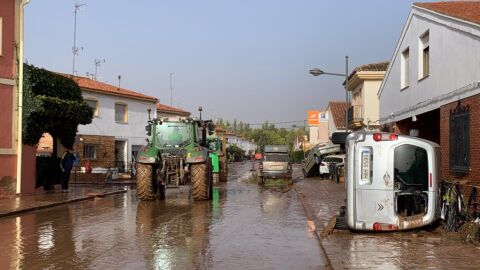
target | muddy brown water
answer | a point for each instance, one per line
(247, 227)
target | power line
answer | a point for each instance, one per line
(274, 123)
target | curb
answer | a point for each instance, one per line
(79, 199)
(310, 217)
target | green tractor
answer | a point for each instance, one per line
(218, 145)
(176, 154)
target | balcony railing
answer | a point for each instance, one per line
(355, 116)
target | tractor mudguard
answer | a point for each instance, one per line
(197, 156)
(147, 155)
(215, 163)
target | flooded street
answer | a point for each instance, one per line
(244, 227)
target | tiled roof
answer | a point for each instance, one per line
(168, 109)
(381, 66)
(337, 112)
(464, 10)
(107, 89)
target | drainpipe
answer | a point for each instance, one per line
(23, 3)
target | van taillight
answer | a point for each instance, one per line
(385, 137)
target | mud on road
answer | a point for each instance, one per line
(429, 248)
(245, 227)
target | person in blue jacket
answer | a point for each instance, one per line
(66, 165)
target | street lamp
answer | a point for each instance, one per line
(200, 109)
(318, 72)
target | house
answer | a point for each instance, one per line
(232, 139)
(435, 94)
(11, 83)
(363, 83)
(318, 127)
(174, 114)
(117, 131)
(336, 111)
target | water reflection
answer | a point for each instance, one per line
(174, 235)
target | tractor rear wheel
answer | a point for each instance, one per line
(145, 191)
(223, 170)
(200, 185)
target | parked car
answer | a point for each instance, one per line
(276, 163)
(392, 182)
(323, 168)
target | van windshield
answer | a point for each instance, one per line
(276, 157)
(411, 166)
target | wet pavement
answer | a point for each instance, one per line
(21, 204)
(244, 227)
(429, 248)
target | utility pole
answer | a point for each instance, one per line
(75, 49)
(98, 63)
(171, 89)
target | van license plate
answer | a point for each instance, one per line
(365, 165)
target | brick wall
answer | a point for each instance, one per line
(473, 176)
(105, 148)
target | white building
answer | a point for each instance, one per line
(336, 111)
(118, 128)
(172, 113)
(432, 86)
(318, 131)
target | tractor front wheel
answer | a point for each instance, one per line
(145, 191)
(201, 182)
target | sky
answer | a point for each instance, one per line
(246, 60)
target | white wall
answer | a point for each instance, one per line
(331, 124)
(170, 116)
(454, 64)
(370, 101)
(104, 124)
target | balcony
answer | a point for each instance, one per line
(355, 117)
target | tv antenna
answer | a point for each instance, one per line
(76, 49)
(171, 89)
(119, 81)
(98, 63)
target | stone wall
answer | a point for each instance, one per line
(105, 150)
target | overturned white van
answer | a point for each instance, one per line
(392, 182)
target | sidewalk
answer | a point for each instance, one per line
(416, 249)
(25, 203)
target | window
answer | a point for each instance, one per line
(424, 59)
(460, 138)
(405, 68)
(411, 166)
(276, 157)
(92, 104)
(1, 34)
(89, 151)
(121, 113)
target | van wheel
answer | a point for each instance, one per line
(340, 223)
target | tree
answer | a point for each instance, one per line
(52, 103)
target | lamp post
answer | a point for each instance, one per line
(200, 109)
(318, 72)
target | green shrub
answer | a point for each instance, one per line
(297, 156)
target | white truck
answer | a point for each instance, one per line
(392, 182)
